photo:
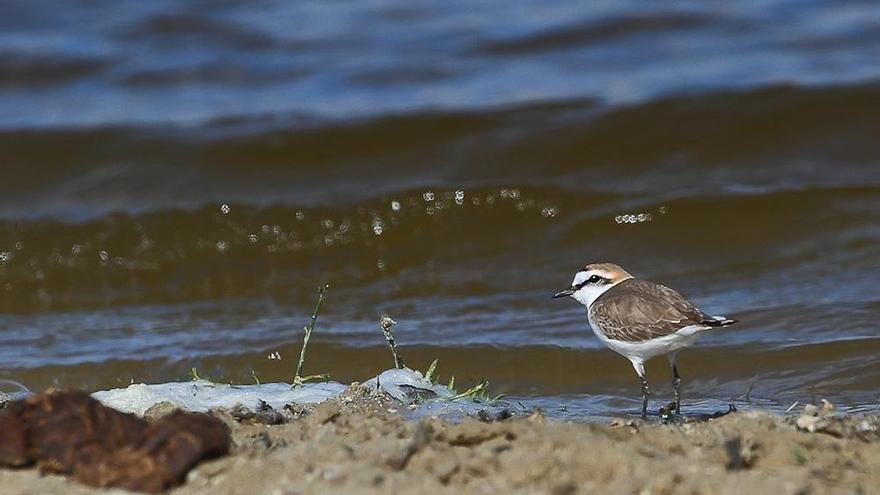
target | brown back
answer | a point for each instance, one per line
(637, 310)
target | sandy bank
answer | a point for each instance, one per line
(360, 444)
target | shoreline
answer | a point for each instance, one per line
(363, 443)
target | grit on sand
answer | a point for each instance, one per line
(358, 443)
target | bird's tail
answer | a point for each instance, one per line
(718, 321)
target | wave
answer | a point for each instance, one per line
(784, 137)
(238, 250)
(720, 186)
(596, 31)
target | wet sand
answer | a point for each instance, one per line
(359, 443)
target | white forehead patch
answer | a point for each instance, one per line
(582, 276)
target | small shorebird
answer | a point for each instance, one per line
(639, 319)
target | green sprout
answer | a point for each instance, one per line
(430, 375)
(473, 392)
(477, 393)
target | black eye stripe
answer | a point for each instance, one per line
(595, 279)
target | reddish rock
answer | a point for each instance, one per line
(71, 433)
(13, 442)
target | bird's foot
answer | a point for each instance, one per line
(669, 414)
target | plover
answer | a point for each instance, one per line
(639, 319)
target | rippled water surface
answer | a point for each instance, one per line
(179, 177)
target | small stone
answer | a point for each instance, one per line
(240, 412)
(807, 423)
(491, 417)
(445, 470)
(267, 414)
(741, 453)
(866, 427)
(625, 423)
(159, 410)
(294, 411)
(324, 414)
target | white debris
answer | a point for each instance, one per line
(818, 419)
(202, 395)
(409, 386)
(403, 385)
(11, 390)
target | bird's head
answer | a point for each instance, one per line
(592, 281)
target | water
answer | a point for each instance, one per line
(179, 177)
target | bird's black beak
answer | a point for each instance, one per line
(563, 293)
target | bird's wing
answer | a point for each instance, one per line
(638, 310)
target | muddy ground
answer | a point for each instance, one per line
(360, 444)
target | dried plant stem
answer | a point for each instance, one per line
(386, 323)
(298, 379)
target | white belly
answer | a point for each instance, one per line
(645, 350)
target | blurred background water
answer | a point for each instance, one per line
(179, 176)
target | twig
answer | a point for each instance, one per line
(298, 379)
(792, 406)
(749, 393)
(386, 323)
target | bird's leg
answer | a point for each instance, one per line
(676, 384)
(640, 370)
